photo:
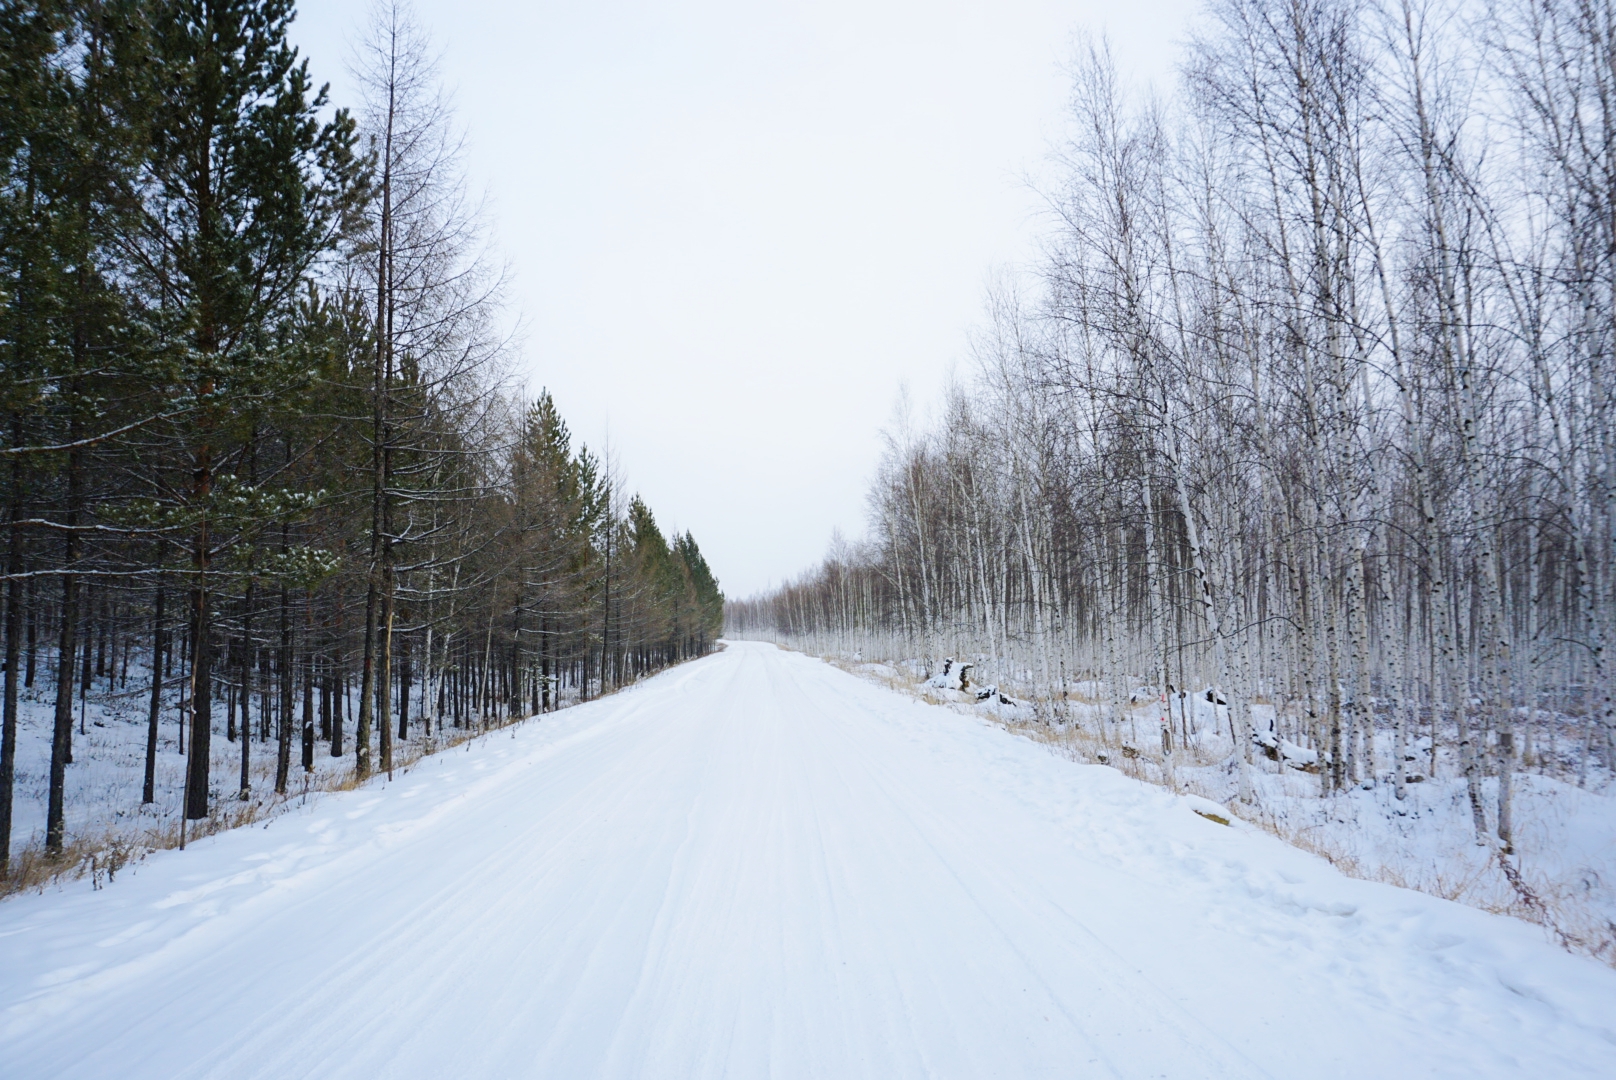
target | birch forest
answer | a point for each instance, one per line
(268, 479)
(1309, 410)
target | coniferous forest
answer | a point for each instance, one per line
(1309, 409)
(265, 468)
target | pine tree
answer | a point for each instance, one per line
(221, 376)
(248, 188)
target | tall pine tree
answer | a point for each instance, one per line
(248, 187)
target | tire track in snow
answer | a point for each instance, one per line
(1135, 1043)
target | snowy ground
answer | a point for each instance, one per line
(103, 785)
(1563, 866)
(757, 865)
(1564, 853)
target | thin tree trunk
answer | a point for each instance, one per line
(66, 651)
(283, 751)
(149, 788)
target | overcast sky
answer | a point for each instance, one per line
(736, 229)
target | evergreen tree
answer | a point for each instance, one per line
(219, 375)
(76, 376)
(247, 189)
(707, 620)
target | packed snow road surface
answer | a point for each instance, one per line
(756, 865)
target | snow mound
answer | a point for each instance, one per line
(953, 676)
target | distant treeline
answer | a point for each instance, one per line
(256, 429)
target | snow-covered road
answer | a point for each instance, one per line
(757, 865)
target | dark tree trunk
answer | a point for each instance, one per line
(8, 720)
(308, 710)
(325, 702)
(283, 751)
(339, 694)
(89, 655)
(266, 688)
(148, 789)
(404, 673)
(67, 649)
(249, 664)
(33, 634)
(230, 695)
(196, 780)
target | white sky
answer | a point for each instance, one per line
(736, 229)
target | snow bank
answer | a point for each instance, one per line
(1561, 877)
